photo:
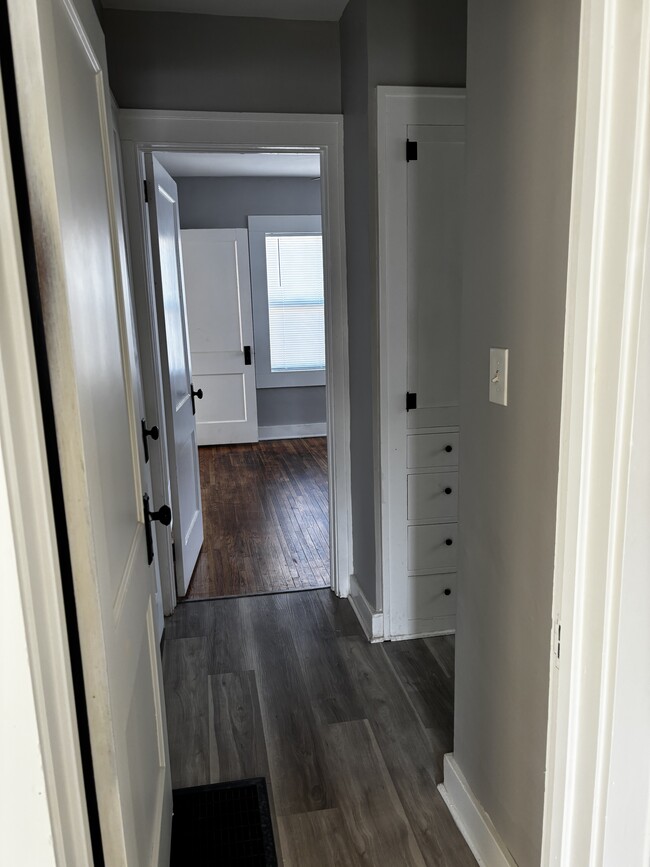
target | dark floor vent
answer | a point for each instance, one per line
(223, 824)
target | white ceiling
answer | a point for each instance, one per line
(247, 165)
(308, 10)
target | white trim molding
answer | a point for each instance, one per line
(607, 288)
(293, 431)
(146, 131)
(258, 227)
(473, 822)
(372, 622)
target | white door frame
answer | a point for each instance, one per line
(396, 107)
(608, 279)
(146, 131)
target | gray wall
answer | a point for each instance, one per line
(521, 80)
(361, 318)
(169, 60)
(415, 42)
(226, 203)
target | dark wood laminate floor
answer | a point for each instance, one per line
(349, 735)
(265, 518)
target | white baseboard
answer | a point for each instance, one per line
(372, 622)
(293, 431)
(473, 822)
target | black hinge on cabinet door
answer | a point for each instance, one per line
(411, 150)
(411, 400)
(247, 355)
(146, 192)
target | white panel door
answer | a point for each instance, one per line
(60, 75)
(220, 321)
(178, 389)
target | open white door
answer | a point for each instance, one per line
(176, 367)
(60, 76)
(220, 320)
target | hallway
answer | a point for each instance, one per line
(349, 735)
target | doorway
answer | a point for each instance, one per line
(309, 544)
(252, 262)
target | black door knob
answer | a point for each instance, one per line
(448, 448)
(447, 490)
(198, 393)
(164, 515)
(449, 541)
(447, 591)
(152, 432)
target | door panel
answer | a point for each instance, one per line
(219, 307)
(176, 371)
(435, 222)
(96, 395)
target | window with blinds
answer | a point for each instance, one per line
(294, 272)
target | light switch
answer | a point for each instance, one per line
(499, 376)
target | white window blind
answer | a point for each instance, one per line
(294, 268)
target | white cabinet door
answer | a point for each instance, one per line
(176, 371)
(421, 262)
(220, 321)
(95, 379)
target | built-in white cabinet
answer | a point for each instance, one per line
(421, 191)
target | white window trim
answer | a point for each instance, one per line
(258, 228)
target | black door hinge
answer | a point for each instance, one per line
(411, 400)
(411, 150)
(146, 192)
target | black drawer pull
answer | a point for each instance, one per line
(447, 591)
(449, 541)
(449, 449)
(447, 491)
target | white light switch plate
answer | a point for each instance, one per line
(499, 376)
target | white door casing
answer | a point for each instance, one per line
(145, 132)
(220, 324)
(420, 278)
(176, 371)
(597, 795)
(63, 101)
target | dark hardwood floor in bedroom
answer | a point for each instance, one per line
(265, 518)
(349, 735)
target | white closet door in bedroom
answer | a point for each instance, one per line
(220, 322)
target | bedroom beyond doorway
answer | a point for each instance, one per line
(265, 519)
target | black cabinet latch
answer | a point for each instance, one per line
(247, 355)
(411, 400)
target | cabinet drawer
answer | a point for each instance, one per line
(427, 598)
(432, 450)
(428, 548)
(432, 495)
